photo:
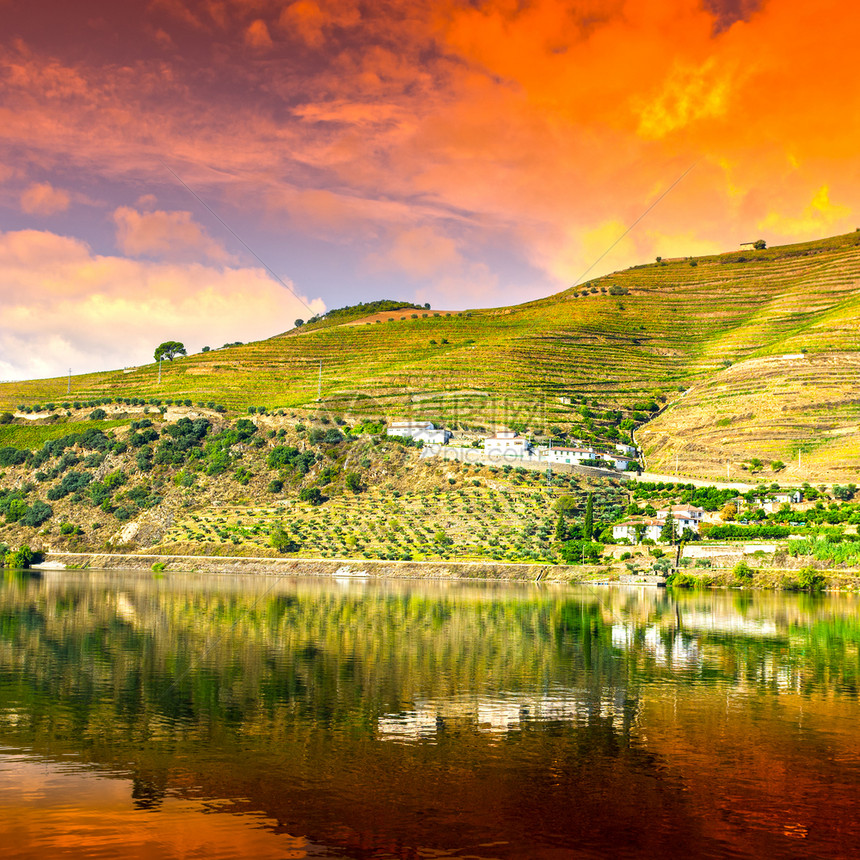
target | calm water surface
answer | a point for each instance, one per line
(235, 717)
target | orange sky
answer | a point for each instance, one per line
(462, 153)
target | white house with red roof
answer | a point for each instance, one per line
(506, 443)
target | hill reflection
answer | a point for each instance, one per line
(401, 719)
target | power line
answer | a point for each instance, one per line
(235, 235)
(634, 224)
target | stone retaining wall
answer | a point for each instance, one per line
(337, 568)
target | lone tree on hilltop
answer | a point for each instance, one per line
(169, 350)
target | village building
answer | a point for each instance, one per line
(572, 456)
(788, 497)
(638, 529)
(623, 464)
(420, 431)
(775, 501)
(575, 456)
(506, 443)
(686, 517)
(629, 451)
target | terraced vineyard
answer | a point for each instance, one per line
(800, 410)
(211, 486)
(473, 523)
(655, 329)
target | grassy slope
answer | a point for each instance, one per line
(803, 411)
(485, 513)
(675, 330)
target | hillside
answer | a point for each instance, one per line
(797, 414)
(581, 361)
(194, 482)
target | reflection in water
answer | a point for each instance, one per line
(56, 809)
(253, 717)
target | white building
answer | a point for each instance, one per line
(686, 517)
(572, 456)
(788, 497)
(629, 451)
(420, 431)
(622, 463)
(628, 529)
(506, 443)
(576, 456)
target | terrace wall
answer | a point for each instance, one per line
(336, 568)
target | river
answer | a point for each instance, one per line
(183, 716)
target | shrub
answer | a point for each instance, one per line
(738, 532)
(567, 506)
(743, 572)
(72, 482)
(810, 579)
(282, 541)
(312, 495)
(441, 538)
(287, 457)
(22, 558)
(242, 476)
(581, 551)
(682, 580)
(12, 457)
(6, 418)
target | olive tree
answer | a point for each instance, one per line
(169, 350)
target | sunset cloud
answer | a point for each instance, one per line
(95, 312)
(819, 215)
(419, 252)
(306, 20)
(257, 36)
(431, 144)
(165, 235)
(41, 198)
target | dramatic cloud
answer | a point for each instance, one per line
(42, 198)
(419, 252)
(165, 235)
(65, 306)
(480, 151)
(257, 36)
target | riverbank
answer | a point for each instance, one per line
(338, 568)
(760, 578)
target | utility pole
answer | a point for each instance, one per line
(159, 371)
(69, 386)
(319, 384)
